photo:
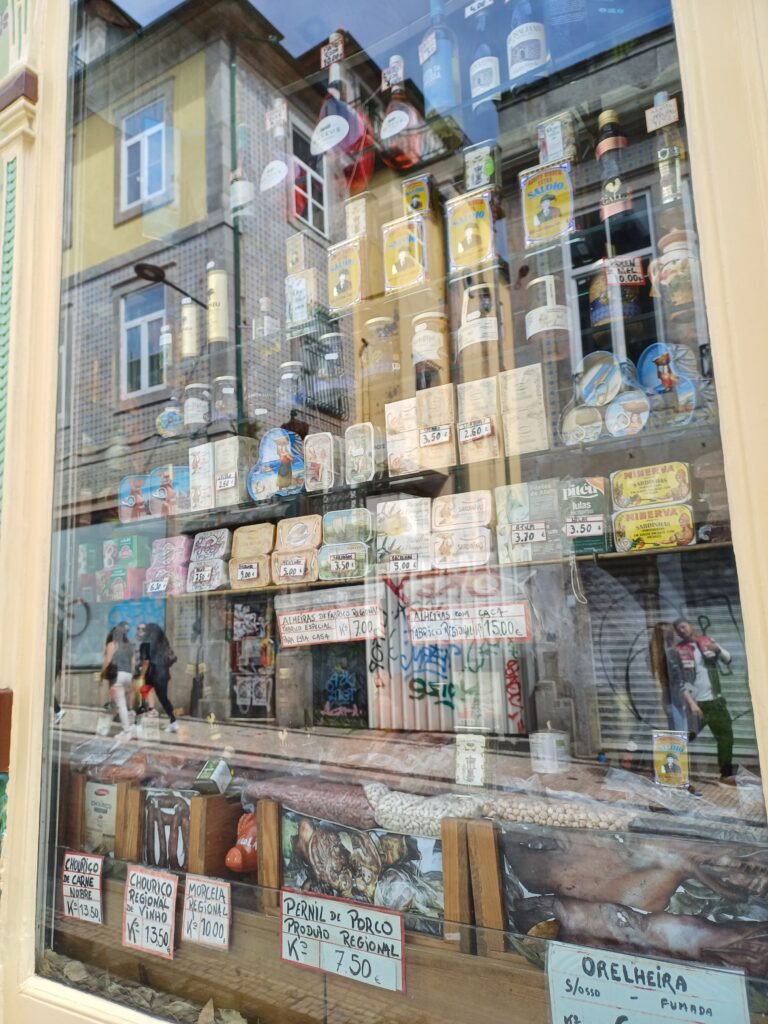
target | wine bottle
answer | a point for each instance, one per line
(439, 58)
(527, 40)
(402, 130)
(342, 131)
(670, 154)
(484, 81)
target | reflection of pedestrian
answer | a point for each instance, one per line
(694, 663)
(156, 658)
(663, 638)
(117, 669)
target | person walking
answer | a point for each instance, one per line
(156, 659)
(663, 637)
(117, 670)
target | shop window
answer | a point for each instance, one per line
(309, 188)
(144, 154)
(141, 363)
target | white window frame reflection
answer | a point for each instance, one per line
(316, 210)
(143, 140)
(145, 325)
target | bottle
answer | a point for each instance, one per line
(568, 31)
(218, 304)
(670, 154)
(439, 58)
(266, 331)
(616, 197)
(343, 131)
(484, 82)
(165, 342)
(190, 346)
(527, 40)
(402, 130)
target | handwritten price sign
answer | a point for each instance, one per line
(207, 911)
(346, 939)
(584, 526)
(149, 911)
(81, 887)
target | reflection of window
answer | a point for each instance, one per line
(141, 319)
(309, 182)
(143, 155)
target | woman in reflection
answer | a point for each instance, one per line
(155, 659)
(663, 640)
(117, 669)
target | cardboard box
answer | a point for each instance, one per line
(232, 460)
(201, 490)
(585, 515)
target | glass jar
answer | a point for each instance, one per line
(224, 399)
(197, 406)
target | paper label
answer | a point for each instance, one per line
(149, 911)
(347, 939)
(202, 574)
(476, 7)
(584, 526)
(329, 133)
(81, 887)
(602, 987)
(157, 586)
(434, 435)
(275, 172)
(470, 760)
(331, 625)
(546, 318)
(484, 76)
(332, 53)
(225, 481)
(526, 48)
(527, 533)
(394, 123)
(292, 568)
(427, 346)
(554, 142)
(494, 623)
(207, 911)
(248, 571)
(475, 429)
(343, 563)
(403, 563)
(427, 47)
(484, 329)
(660, 116)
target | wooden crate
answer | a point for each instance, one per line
(213, 819)
(72, 811)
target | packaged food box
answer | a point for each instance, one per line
(420, 194)
(126, 583)
(473, 508)
(171, 550)
(361, 216)
(133, 498)
(212, 574)
(169, 490)
(347, 524)
(479, 426)
(524, 410)
(323, 461)
(403, 450)
(250, 573)
(403, 553)
(257, 539)
(89, 558)
(436, 416)
(557, 138)
(585, 515)
(299, 566)
(364, 453)
(471, 238)
(211, 544)
(300, 532)
(662, 484)
(109, 554)
(214, 777)
(344, 561)
(528, 520)
(101, 582)
(166, 580)
(405, 516)
(462, 548)
(131, 552)
(232, 460)
(202, 495)
(663, 526)
(351, 273)
(279, 467)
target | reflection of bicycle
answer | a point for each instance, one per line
(77, 613)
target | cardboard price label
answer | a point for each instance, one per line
(226, 481)
(207, 911)
(626, 273)
(403, 563)
(157, 586)
(527, 533)
(434, 435)
(293, 567)
(584, 526)
(494, 623)
(331, 625)
(343, 563)
(81, 876)
(347, 939)
(149, 911)
(660, 116)
(475, 429)
(332, 53)
(248, 571)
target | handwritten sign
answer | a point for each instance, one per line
(662, 114)
(248, 571)
(584, 526)
(149, 911)
(293, 567)
(505, 620)
(81, 876)
(331, 625)
(225, 481)
(527, 533)
(601, 987)
(434, 435)
(332, 53)
(474, 430)
(347, 939)
(207, 911)
(158, 586)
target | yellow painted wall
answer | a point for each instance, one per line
(95, 236)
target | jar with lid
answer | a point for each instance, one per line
(380, 367)
(290, 392)
(197, 406)
(224, 399)
(429, 349)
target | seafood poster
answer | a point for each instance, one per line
(373, 867)
(594, 987)
(641, 894)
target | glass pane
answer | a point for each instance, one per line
(418, 572)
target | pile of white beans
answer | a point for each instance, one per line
(556, 813)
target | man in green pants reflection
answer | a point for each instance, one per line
(695, 660)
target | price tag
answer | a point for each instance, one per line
(331, 625)
(343, 563)
(528, 533)
(157, 586)
(225, 481)
(207, 911)
(248, 571)
(403, 563)
(434, 435)
(149, 911)
(277, 114)
(427, 47)
(475, 429)
(584, 526)
(202, 574)
(626, 273)
(81, 887)
(470, 760)
(292, 568)
(332, 53)
(347, 939)
(476, 7)
(660, 116)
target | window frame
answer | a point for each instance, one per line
(146, 389)
(124, 209)
(297, 124)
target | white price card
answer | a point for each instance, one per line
(470, 760)
(345, 562)
(476, 7)
(474, 430)
(248, 571)
(331, 625)
(457, 624)
(149, 911)
(157, 586)
(596, 986)
(434, 435)
(662, 114)
(207, 911)
(226, 481)
(627, 273)
(584, 526)
(81, 876)
(332, 53)
(293, 568)
(527, 533)
(403, 563)
(347, 939)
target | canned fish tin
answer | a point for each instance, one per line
(299, 532)
(664, 526)
(250, 573)
(364, 453)
(347, 524)
(323, 459)
(462, 549)
(250, 541)
(343, 561)
(212, 574)
(197, 406)
(211, 544)
(473, 508)
(662, 484)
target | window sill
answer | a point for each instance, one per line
(140, 209)
(140, 401)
